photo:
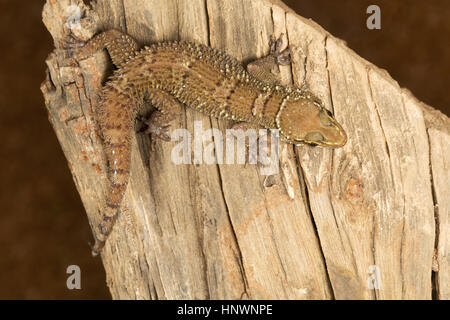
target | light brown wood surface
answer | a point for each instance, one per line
(317, 228)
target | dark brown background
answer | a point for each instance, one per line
(43, 227)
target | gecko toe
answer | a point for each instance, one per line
(159, 131)
(73, 44)
(284, 58)
(272, 45)
(158, 125)
(278, 44)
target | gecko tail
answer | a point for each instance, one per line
(104, 229)
(97, 247)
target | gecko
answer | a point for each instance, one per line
(170, 74)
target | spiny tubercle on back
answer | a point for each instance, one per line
(177, 82)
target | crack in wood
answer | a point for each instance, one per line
(307, 203)
(434, 273)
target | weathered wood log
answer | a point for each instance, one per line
(367, 221)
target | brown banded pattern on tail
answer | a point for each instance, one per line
(115, 116)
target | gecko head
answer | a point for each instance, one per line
(306, 121)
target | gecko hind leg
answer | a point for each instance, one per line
(167, 109)
(158, 125)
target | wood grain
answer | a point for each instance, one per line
(317, 229)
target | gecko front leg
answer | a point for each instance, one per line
(266, 69)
